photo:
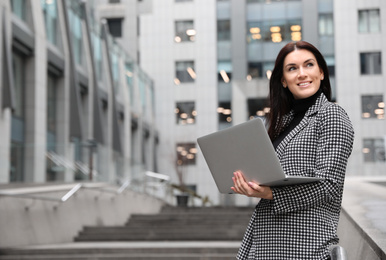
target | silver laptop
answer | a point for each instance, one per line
(248, 148)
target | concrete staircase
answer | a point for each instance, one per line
(175, 233)
(176, 224)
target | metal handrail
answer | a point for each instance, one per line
(71, 192)
(65, 197)
(338, 253)
(28, 195)
(123, 186)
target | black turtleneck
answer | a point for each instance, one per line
(299, 107)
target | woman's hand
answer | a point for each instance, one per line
(250, 189)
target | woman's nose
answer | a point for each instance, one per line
(301, 72)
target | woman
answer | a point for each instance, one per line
(312, 137)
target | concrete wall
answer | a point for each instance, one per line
(25, 221)
(356, 243)
(362, 225)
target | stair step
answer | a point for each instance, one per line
(176, 224)
(175, 233)
(160, 237)
(157, 250)
(123, 256)
(177, 229)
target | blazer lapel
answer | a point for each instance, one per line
(303, 123)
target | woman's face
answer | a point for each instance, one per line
(301, 74)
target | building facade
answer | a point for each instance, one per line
(178, 48)
(209, 61)
(75, 105)
(360, 43)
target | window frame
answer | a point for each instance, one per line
(186, 153)
(182, 72)
(375, 109)
(181, 28)
(373, 153)
(185, 112)
(367, 26)
(115, 26)
(367, 63)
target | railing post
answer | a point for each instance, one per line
(338, 253)
(71, 192)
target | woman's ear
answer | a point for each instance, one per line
(284, 83)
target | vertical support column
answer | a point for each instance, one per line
(76, 115)
(66, 148)
(238, 41)
(36, 102)
(310, 21)
(5, 110)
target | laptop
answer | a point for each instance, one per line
(245, 147)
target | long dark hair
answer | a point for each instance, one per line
(280, 98)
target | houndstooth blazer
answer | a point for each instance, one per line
(301, 220)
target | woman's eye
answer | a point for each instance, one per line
(310, 64)
(291, 68)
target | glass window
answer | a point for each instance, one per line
(19, 77)
(224, 71)
(75, 21)
(326, 24)
(255, 69)
(267, 69)
(257, 107)
(51, 169)
(254, 31)
(129, 79)
(185, 113)
(50, 12)
(274, 31)
(115, 26)
(186, 153)
(373, 107)
(19, 8)
(330, 60)
(142, 89)
(295, 30)
(374, 150)
(114, 55)
(185, 31)
(369, 21)
(51, 113)
(224, 112)
(371, 63)
(223, 30)
(17, 165)
(18, 120)
(98, 57)
(260, 69)
(184, 72)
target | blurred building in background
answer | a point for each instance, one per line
(360, 55)
(211, 60)
(76, 82)
(73, 101)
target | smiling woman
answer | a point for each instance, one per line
(313, 137)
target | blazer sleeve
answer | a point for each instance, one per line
(334, 145)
